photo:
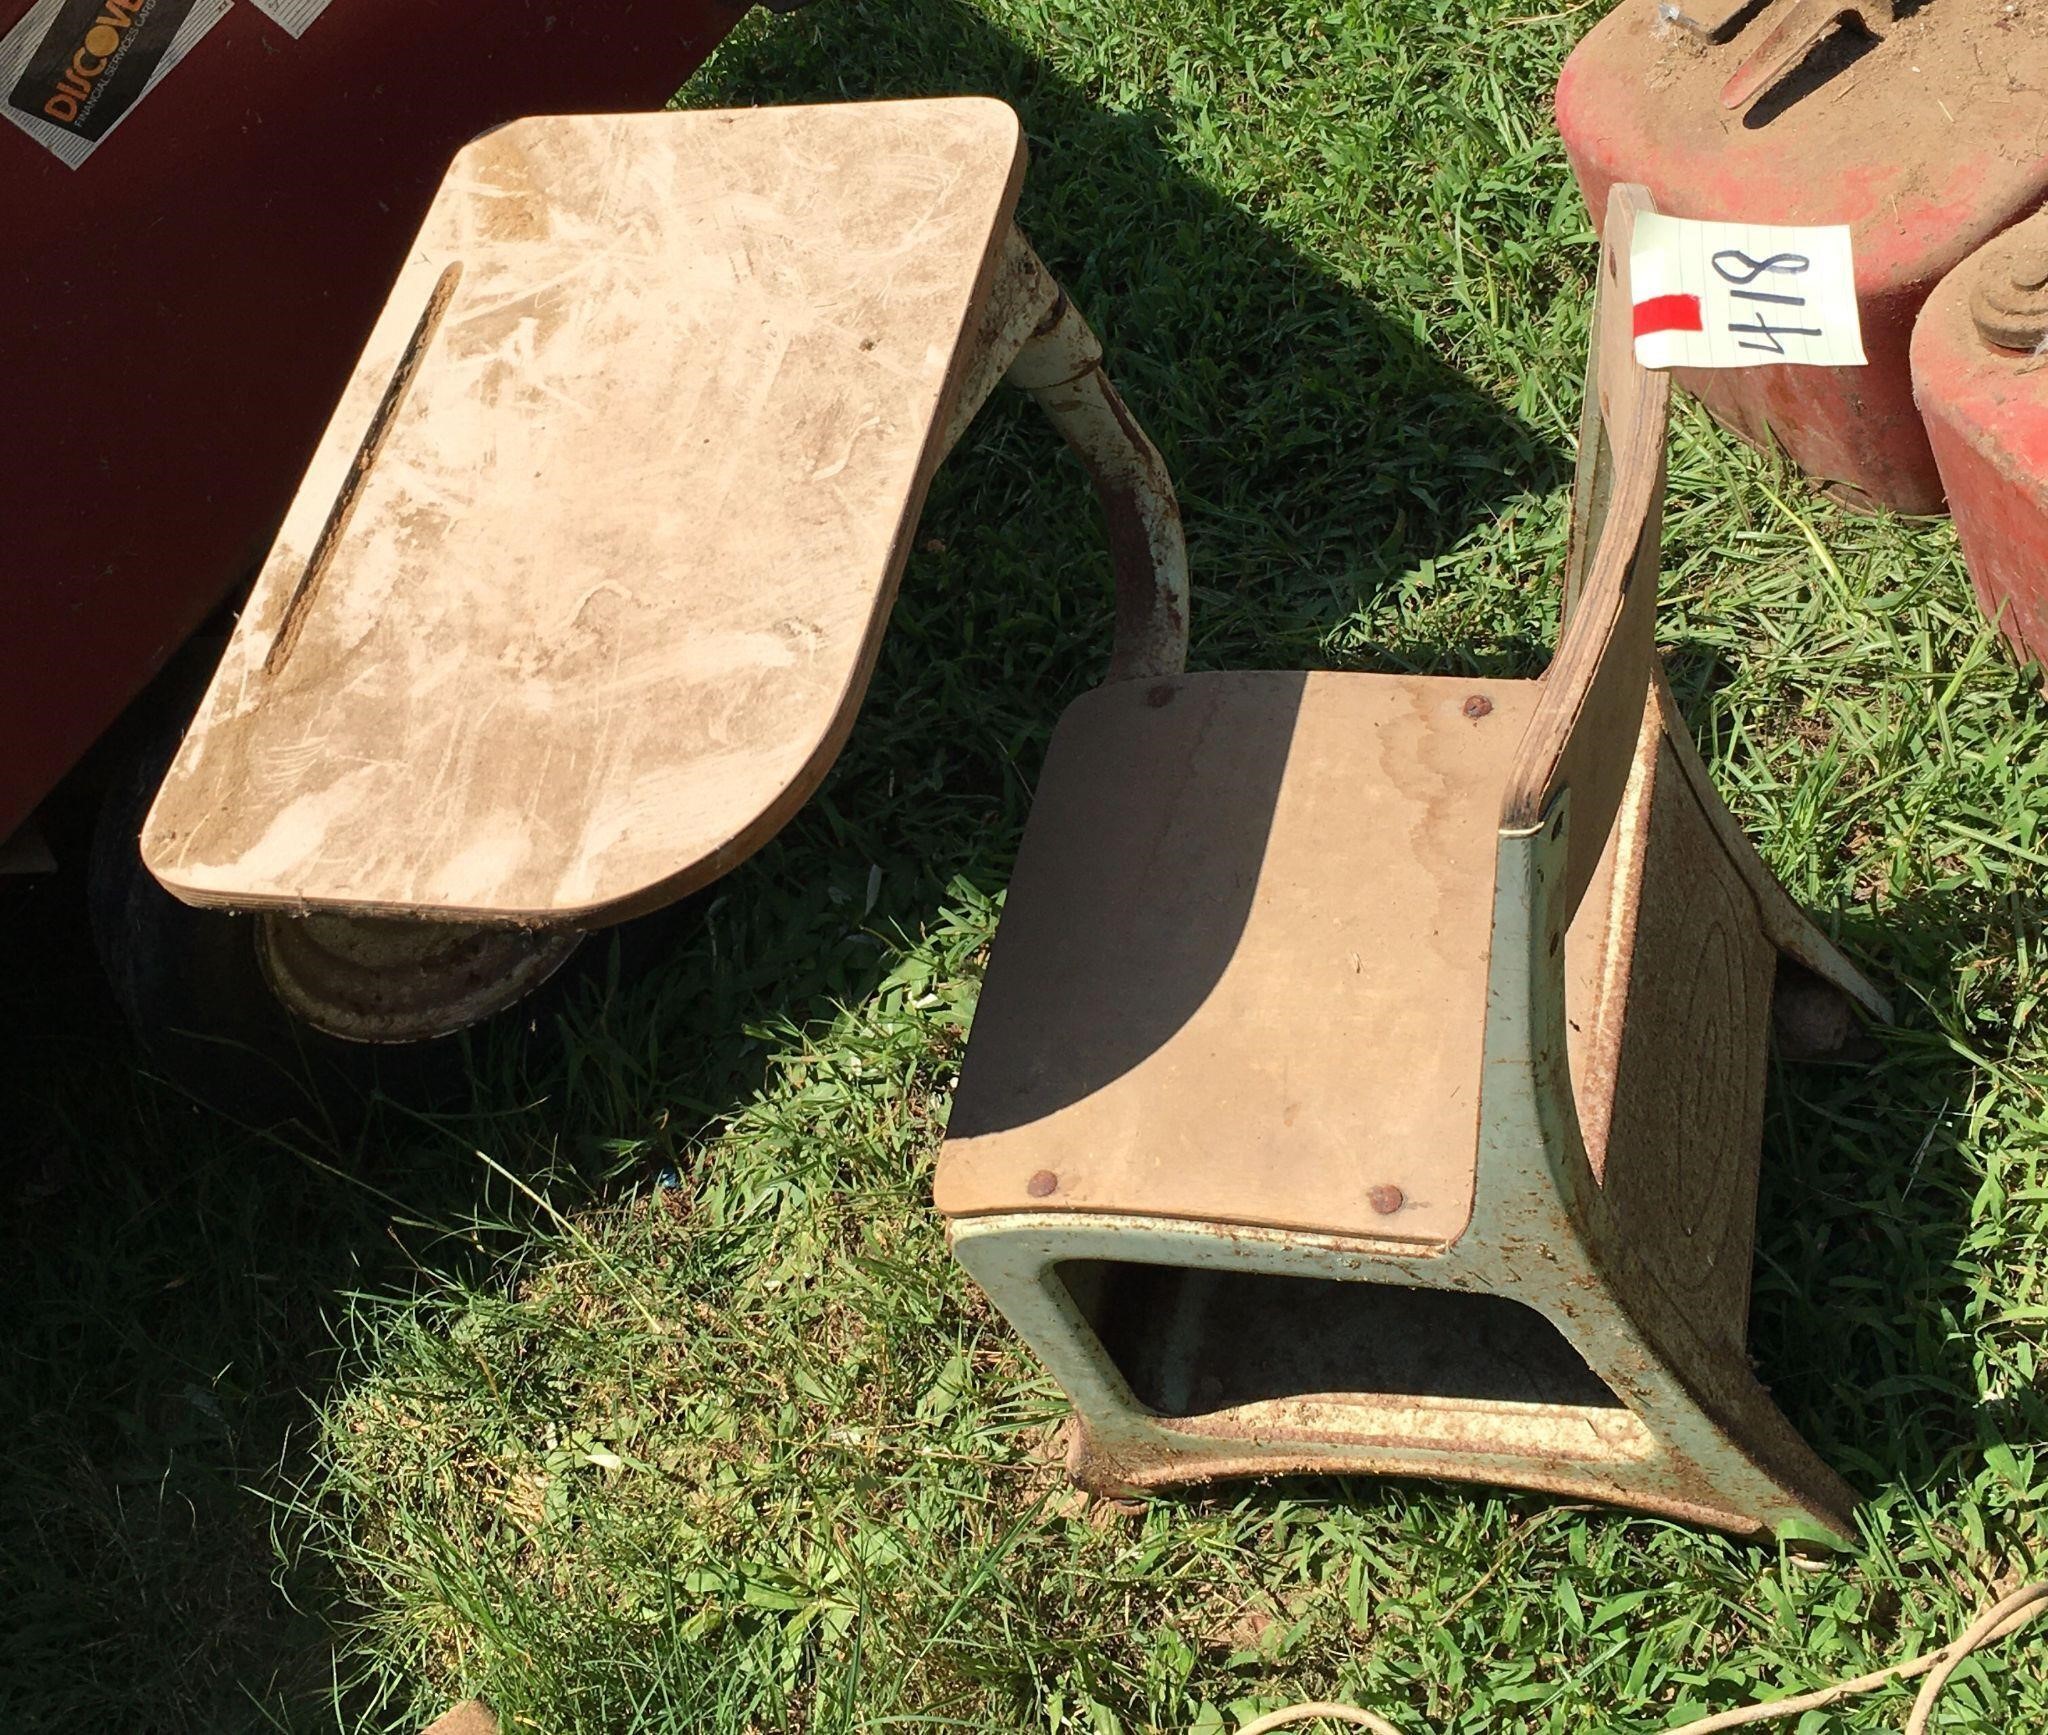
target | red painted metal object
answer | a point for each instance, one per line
(1921, 132)
(179, 310)
(1983, 388)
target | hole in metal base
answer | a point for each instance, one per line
(1188, 1342)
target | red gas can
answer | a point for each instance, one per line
(1924, 132)
(1982, 382)
(204, 204)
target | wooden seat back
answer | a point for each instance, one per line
(1582, 737)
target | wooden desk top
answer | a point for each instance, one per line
(581, 592)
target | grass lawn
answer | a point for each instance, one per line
(635, 1388)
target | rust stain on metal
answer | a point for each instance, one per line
(1061, 307)
(383, 979)
(1227, 1446)
(1151, 625)
(1061, 367)
(1022, 298)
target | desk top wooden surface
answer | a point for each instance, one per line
(580, 594)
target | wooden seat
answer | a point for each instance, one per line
(581, 592)
(1246, 940)
(1369, 1071)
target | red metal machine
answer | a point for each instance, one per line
(205, 205)
(1917, 125)
(1983, 389)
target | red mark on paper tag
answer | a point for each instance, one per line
(1669, 313)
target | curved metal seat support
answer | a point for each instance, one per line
(1034, 339)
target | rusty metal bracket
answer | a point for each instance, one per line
(1033, 338)
(400, 979)
(1801, 31)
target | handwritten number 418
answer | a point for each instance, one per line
(1742, 271)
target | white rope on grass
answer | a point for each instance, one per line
(2001, 1619)
(1331, 1713)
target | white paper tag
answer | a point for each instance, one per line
(296, 16)
(1743, 294)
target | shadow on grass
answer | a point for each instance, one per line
(1867, 1270)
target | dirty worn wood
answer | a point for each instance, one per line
(471, 1717)
(1241, 976)
(1583, 732)
(1242, 973)
(583, 587)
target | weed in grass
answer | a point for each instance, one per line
(741, 1449)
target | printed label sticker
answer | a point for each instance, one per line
(1743, 294)
(72, 69)
(297, 16)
